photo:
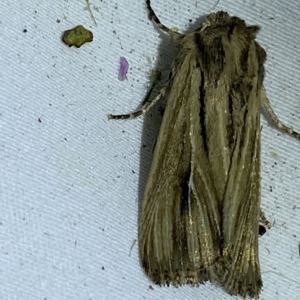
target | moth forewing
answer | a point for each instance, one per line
(241, 202)
(179, 223)
(201, 209)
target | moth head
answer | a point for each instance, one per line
(214, 19)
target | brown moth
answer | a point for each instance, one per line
(201, 209)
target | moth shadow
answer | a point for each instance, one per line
(167, 52)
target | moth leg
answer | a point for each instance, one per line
(153, 17)
(266, 104)
(264, 220)
(146, 105)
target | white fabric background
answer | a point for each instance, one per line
(71, 184)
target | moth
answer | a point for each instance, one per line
(201, 209)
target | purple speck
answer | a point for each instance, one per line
(124, 66)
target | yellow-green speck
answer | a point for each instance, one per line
(77, 36)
